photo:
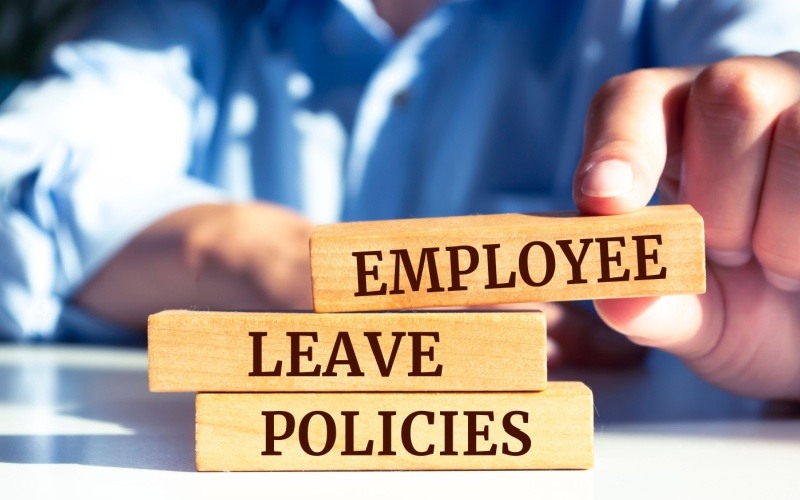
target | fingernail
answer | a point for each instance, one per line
(608, 179)
(782, 282)
(729, 258)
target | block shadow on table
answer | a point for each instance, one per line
(92, 407)
(664, 391)
(55, 411)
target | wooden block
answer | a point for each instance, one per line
(433, 351)
(496, 259)
(412, 431)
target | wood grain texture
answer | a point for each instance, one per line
(241, 432)
(478, 351)
(495, 259)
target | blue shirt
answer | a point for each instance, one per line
(314, 104)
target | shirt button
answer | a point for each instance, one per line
(401, 98)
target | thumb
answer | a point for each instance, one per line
(634, 122)
(633, 133)
(680, 324)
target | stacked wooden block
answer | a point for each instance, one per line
(338, 390)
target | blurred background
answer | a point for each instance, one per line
(28, 29)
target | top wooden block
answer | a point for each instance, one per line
(496, 259)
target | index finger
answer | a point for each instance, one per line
(633, 126)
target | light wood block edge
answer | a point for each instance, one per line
(194, 351)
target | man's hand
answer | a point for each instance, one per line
(238, 257)
(725, 139)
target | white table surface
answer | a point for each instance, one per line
(79, 422)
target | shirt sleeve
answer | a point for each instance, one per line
(89, 157)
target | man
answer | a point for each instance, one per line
(130, 173)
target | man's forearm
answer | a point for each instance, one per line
(242, 257)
